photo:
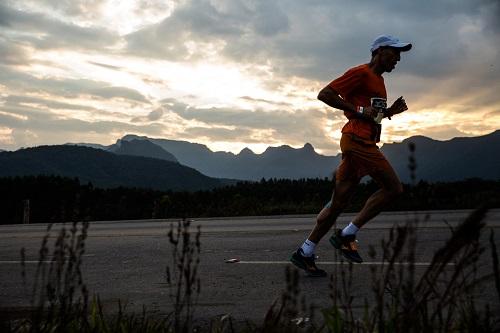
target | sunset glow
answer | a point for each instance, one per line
(234, 74)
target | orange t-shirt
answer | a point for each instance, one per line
(357, 86)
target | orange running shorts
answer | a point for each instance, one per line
(360, 159)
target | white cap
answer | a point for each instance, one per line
(387, 40)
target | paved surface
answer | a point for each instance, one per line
(127, 259)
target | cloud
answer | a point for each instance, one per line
(278, 54)
(69, 88)
(154, 115)
(72, 8)
(12, 53)
(295, 128)
(44, 32)
(269, 19)
(115, 92)
(219, 134)
(321, 39)
(438, 132)
(265, 101)
(43, 127)
(15, 108)
(115, 68)
(12, 100)
(40, 121)
(195, 26)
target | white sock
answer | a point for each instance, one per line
(351, 229)
(308, 248)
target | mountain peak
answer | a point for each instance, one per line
(246, 151)
(418, 138)
(139, 147)
(308, 147)
(129, 137)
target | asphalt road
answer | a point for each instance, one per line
(127, 260)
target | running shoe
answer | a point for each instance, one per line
(348, 245)
(307, 264)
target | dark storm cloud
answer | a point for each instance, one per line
(201, 21)
(269, 19)
(331, 36)
(4, 15)
(492, 13)
(318, 39)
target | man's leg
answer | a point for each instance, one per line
(345, 239)
(390, 188)
(304, 256)
(326, 218)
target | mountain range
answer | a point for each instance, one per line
(136, 147)
(275, 162)
(105, 169)
(140, 161)
(450, 160)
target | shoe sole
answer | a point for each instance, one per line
(355, 261)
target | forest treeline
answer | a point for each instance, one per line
(57, 199)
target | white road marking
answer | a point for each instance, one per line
(258, 262)
(261, 262)
(36, 261)
(20, 262)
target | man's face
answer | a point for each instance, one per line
(388, 58)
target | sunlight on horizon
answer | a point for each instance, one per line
(226, 74)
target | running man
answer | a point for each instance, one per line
(361, 94)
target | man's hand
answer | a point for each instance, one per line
(369, 112)
(398, 106)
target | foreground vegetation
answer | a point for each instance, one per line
(444, 298)
(57, 199)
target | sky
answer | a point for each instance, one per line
(232, 74)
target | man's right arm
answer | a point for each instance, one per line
(332, 98)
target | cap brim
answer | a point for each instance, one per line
(402, 46)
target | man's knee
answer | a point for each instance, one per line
(340, 203)
(332, 209)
